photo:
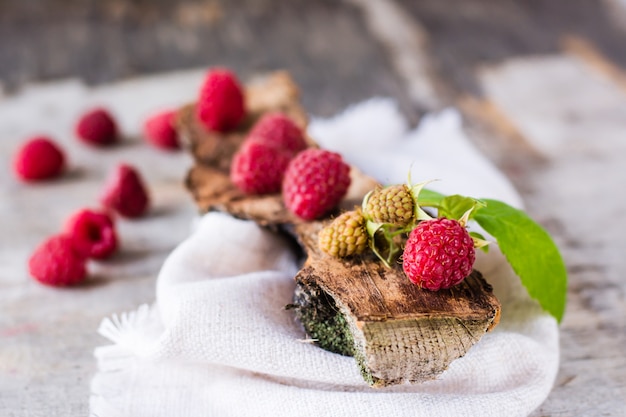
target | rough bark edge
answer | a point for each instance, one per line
(377, 346)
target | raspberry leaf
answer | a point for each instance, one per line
(457, 206)
(531, 252)
(529, 249)
(429, 198)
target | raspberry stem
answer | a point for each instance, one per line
(388, 234)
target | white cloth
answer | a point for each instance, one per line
(218, 341)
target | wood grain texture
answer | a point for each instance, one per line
(324, 44)
(401, 333)
(572, 113)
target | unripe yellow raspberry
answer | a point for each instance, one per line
(393, 205)
(345, 236)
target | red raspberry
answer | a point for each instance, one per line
(97, 127)
(125, 192)
(159, 130)
(39, 158)
(279, 130)
(438, 254)
(56, 262)
(258, 168)
(315, 181)
(93, 233)
(220, 105)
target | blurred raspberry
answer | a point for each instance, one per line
(159, 130)
(39, 158)
(93, 233)
(220, 106)
(57, 263)
(125, 192)
(97, 127)
(258, 168)
(279, 130)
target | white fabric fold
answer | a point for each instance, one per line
(219, 342)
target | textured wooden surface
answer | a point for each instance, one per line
(401, 333)
(542, 86)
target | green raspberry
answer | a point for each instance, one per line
(393, 205)
(345, 236)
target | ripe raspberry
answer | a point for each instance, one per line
(39, 158)
(57, 263)
(220, 105)
(279, 130)
(97, 127)
(159, 130)
(392, 205)
(125, 192)
(258, 168)
(93, 233)
(315, 181)
(438, 254)
(345, 236)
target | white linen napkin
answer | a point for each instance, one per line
(218, 341)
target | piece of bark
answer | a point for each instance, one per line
(396, 331)
(213, 190)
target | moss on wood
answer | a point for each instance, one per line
(322, 320)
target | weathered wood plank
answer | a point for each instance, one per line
(573, 112)
(464, 35)
(324, 44)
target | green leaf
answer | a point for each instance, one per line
(429, 198)
(531, 252)
(455, 206)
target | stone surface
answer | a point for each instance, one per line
(549, 112)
